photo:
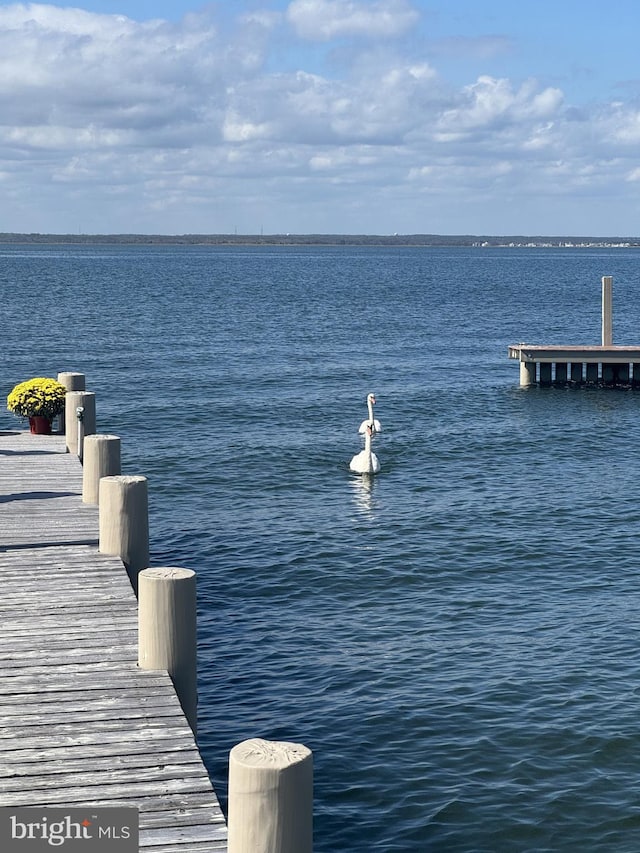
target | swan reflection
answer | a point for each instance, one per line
(363, 492)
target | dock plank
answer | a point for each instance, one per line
(589, 354)
(80, 723)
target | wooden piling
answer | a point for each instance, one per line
(527, 373)
(167, 630)
(124, 522)
(101, 459)
(270, 797)
(72, 382)
(73, 401)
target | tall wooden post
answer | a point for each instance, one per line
(167, 631)
(607, 309)
(101, 459)
(124, 522)
(72, 382)
(270, 797)
(74, 400)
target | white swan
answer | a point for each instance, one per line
(371, 401)
(365, 462)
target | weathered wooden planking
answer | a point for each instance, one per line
(80, 723)
(39, 487)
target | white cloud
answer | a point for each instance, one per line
(339, 160)
(102, 71)
(235, 129)
(200, 124)
(311, 109)
(321, 20)
(623, 124)
(489, 103)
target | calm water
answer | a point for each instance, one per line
(458, 640)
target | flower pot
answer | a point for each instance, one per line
(39, 425)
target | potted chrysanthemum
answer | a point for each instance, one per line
(40, 399)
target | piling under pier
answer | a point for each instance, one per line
(577, 365)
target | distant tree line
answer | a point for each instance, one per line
(319, 240)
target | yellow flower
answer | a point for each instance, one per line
(38, 396)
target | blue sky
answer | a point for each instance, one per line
(320, 116)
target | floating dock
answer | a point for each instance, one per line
(603, 364)
(81, 723)
(559, 365)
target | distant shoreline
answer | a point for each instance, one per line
(399, 240)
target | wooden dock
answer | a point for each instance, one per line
(560, 365)
(80, 723)
(604, 364)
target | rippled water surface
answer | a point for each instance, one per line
(456, 640)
